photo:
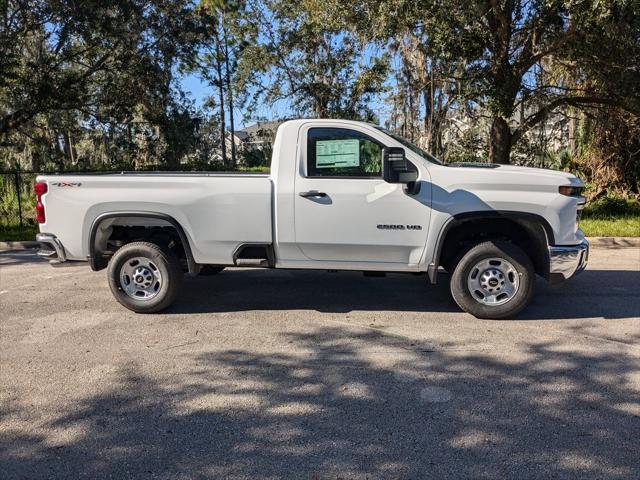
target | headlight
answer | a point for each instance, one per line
(570, 190)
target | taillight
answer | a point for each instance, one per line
(40, 188)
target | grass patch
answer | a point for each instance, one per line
(17, 234)
(612, 216)
(628, 226)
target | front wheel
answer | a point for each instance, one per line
(145, 277)
(493, 280)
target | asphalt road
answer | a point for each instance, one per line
(283, 375)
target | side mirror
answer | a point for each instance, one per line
(397, 169)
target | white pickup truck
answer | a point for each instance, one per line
(341, 195)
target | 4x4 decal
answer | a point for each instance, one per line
(66, 184)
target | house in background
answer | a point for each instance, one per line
(254, 144)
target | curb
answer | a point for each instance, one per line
(25, 245)
(614, 242)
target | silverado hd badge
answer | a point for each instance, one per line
(399, 227)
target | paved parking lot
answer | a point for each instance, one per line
(278, 374)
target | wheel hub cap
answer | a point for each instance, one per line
(493, 281)
(140, 278)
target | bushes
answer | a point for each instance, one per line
(18, 234)
(613, 205)
(610, 157)
(612, 215)
(10, 211)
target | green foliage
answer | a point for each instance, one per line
(17, 233)
(613, 205)
(255, 169)
(610, 156)
(612, 215)
(307, 57)
(535, 56)
(85, 81)
(560, 160)
(628, 226)
(256, 158)
(468, 148)
(98, 58)
(371, 157)
(9, 206)
(93, 85)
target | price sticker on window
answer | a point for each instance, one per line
(337, 153)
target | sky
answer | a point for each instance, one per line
(199, 90)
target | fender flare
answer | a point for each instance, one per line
(519, 217)
(93, 258)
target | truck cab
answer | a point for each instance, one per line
(342, 199)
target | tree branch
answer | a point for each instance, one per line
(584, 101)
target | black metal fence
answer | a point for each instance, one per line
(17, 199)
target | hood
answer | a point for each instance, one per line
(458, 189)
(503, 175)
(541, 172)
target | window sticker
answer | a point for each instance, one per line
(338, 153)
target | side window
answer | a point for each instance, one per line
(340, 152)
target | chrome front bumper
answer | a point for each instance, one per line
(51, 248)
(567, 261)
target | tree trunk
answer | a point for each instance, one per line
(572, 133)
(223, 140)
(500, 141)
(229, 97)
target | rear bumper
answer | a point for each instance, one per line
(51, 248)
(567, 261)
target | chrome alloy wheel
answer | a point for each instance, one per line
(140, 278)
(493, 281)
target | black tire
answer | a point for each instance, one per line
(168, 266)
(473, 303)
(208, 270)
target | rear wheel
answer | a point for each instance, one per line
(494, 279)
(145, 277)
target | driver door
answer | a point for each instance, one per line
(345, 211)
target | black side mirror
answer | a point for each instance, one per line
(397, 169)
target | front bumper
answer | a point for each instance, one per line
(567, 261)
(51, 248)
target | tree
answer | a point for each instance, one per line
(227, 30)
(109, 64)
(423, 95)
(500, 44)
(305, 58)
(67, 55)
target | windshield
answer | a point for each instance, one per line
(409, 145)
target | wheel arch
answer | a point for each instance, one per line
(536, 227)
(97, 262)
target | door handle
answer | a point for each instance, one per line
(312, 193)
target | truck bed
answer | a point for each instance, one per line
(217, 210)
